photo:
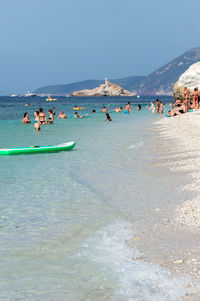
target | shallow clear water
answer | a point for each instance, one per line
(64, 217)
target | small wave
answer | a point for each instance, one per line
(133, 280)
(136, 145)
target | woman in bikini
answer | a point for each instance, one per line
(51, 117)
(37, 121)
(42, 116)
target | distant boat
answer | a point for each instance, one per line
(29, 94)
(14, 95)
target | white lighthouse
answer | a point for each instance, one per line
(106, 83)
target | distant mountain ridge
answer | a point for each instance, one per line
(159, 82)
(163, 79)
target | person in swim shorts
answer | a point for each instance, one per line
(128, 108)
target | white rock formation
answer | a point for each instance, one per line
(107, 89)
(191, 77)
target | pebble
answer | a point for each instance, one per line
(178, 261)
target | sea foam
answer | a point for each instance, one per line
(133, 278)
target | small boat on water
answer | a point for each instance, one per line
(29, 94)
(14, 95)
(38, 149)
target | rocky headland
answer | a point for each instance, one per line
(106, 89)
(190, 79)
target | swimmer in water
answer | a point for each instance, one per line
(104, 110)
(128, 108)
(108, 118)
(51, 117)
(54, 111)
(26, 118)
(42, 116)
(117, 109)
(37, 121)
(62, 115)
(77, 116)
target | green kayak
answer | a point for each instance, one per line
(37, 149)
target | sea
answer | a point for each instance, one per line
(65, 218)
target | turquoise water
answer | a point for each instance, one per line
(65, 217)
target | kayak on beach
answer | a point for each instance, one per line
(38, 149)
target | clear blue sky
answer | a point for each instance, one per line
(44, 42)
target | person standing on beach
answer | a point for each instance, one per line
(195, 98)
(186, 99)
(157, 106)
(170, 104)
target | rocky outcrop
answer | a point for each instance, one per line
(106, 89)
(178, 91)
(190, 79)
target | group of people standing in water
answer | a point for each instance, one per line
(41, 117)
(191, 101)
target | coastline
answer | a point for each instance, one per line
(173, 241)
(135, 190)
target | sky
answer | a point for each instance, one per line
(50, 42)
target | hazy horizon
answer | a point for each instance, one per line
(50, 43)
